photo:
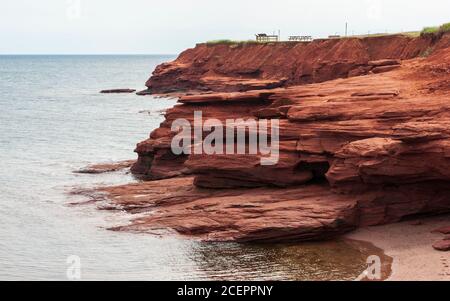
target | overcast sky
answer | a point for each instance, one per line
(170, 26)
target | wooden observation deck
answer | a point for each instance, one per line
(264, 38)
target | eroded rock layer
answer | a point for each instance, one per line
(358, 151)
(251, 66)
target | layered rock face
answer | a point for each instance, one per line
(250, 66)
(364, 150)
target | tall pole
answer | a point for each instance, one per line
(346, 28)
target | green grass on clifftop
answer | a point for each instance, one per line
(430, 30)
(436, 31)
(433, 31)
(229, 42)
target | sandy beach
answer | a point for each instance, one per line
(409, 243)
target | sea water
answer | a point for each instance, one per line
(53, 120)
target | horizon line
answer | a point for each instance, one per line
(86, 54)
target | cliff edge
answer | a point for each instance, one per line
(250, 66)
(364, 140)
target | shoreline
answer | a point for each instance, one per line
(409, 243)
(405, 248)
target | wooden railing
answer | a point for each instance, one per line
(300, 38)
(266, 38)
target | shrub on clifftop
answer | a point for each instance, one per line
(436, 31)
(445, 28)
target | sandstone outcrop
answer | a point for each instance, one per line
(263, 214)
(118, 91)
(106, 167)
(444, 230)
(355, 151)
(442, 245)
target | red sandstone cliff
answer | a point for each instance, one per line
(364, 150)
(250, 66)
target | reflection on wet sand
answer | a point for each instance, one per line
(330, 260)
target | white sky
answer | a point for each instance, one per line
(170, 26)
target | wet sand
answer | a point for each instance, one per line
(410, 243)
